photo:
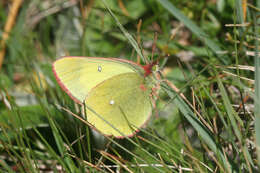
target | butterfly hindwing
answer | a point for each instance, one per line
(119, 104)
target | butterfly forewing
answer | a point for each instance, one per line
(78, 75)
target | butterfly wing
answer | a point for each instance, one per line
(120, 105)
(78, 75)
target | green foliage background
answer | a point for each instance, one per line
(211, 62)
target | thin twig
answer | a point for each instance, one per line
(151, 165)
(241, 24)
(8, 26)
(32, 21)
(123, 8)
(251, 81)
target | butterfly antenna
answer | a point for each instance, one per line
(154, 44)
(148, 67)
(139, 38)
(166, 47)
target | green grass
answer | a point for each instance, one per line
(215, 129)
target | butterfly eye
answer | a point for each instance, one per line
(99, 68)
(112, 102)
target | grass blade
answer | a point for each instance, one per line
(199, 127)
(230, 111)
(257, 92)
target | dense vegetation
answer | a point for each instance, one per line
(207, 116)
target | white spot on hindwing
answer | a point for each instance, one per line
(112, 102)
(99, 68)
